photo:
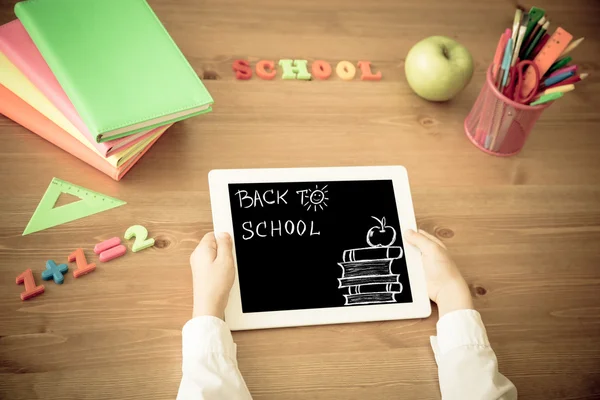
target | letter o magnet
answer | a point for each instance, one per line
(321, 69)
(345, 70)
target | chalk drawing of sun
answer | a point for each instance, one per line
(316, 198)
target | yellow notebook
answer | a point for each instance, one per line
(17, 82)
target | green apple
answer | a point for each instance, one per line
(438, 68)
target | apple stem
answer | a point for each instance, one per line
(377, 219)
(445, 52)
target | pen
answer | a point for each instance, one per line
(506, 63)
(572, 46)
(559, 64)
(558, 78)
(546, 98)
(500, 52)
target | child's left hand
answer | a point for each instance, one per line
(213, 274)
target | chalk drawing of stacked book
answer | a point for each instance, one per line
(367, 272)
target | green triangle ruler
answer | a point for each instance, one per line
(46, 216)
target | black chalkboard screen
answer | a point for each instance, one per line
(307, 245)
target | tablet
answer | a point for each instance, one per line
(319, 246)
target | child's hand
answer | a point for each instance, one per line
(213, 274)
(445, 285)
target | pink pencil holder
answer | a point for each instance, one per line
(496, 124)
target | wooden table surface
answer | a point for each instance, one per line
(524, 230)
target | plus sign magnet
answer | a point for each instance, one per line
(55, 272)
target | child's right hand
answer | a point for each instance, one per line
(445, 285)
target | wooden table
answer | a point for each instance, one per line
(524, 230)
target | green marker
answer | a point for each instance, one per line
(559, 64)
(546, 98)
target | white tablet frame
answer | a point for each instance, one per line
(222, 221)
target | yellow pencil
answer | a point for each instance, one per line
(572, 46)
(559, 89)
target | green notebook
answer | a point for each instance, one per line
(116, 62)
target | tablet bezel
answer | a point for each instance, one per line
(222, 221)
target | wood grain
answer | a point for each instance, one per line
(524, 230)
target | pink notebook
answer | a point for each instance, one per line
(16, 44)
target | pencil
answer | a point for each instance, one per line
(563, 70)
(558, 78)
(561, 62)
(568, 81)
(571, 46)
(536, 39)
(532, 36)
(559, 89)
(546, 98)
(540, 45)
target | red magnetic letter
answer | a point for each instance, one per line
(31, 290)
(367, 75)
(321, 69)
(242, 69)
(261, 69)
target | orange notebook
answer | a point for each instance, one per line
(22, 113)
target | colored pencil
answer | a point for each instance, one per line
(532, 36)
(546, 98)
(563, 70)
(572, 46)
(568, 81)
(561, 62)
(539, 46)
(536, 39)
(559, 89)
(558, 78)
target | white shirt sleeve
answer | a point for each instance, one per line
(210, 368)
(467, 365)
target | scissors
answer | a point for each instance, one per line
(517, 79)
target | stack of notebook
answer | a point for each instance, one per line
(101, 79)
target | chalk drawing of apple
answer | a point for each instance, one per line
(381, 235)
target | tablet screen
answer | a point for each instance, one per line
(307, 245)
